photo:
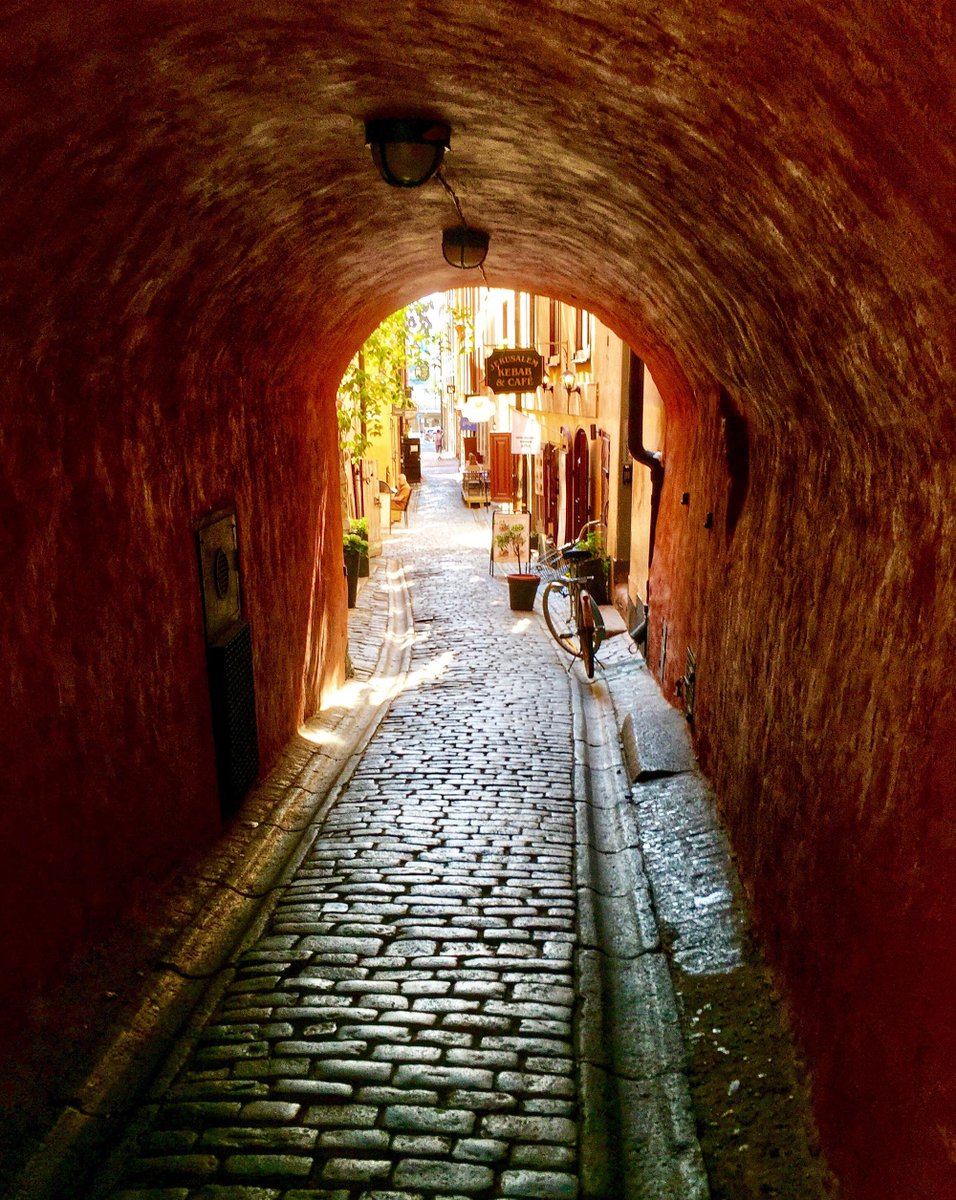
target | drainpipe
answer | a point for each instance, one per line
(647, 458)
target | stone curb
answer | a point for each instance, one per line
(236, 887)
(638, 1138)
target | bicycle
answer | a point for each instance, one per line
(570, 611)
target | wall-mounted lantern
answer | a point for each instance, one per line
(568, 379)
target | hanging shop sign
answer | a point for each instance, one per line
(525, 433)
(513, 370)
(478, 408)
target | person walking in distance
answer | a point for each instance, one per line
(439, 440)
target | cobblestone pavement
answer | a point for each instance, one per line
(487, 953)
(403, 1027)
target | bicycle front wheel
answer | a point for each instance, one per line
(558, 607)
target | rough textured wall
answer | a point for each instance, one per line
(759, 199)
(820, 622)
(145, 385)
(109, 779)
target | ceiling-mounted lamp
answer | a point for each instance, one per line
(407, 150)
(569, 383)
(464, 247)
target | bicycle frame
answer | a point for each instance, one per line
(575, 621)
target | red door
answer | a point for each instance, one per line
(578, 463)
(502, 469)
(550, 468)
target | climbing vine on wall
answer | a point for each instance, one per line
(376, 379)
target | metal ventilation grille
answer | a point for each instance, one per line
(233, 696)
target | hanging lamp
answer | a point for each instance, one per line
(464, 247)
(407, 150)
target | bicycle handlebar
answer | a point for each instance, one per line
(584, 528)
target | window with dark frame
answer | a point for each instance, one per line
(581, 328)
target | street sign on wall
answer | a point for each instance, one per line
(513, 370)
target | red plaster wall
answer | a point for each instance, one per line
(759, 199)
(109, 779)
(141, 391)
(822, 634)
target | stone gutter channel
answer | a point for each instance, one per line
(638, 1136)
(690, 1084)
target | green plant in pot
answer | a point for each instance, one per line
(359, 526)
(522, 585)
(354, 547)
(596, 566)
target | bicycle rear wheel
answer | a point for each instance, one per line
(587, 651)
(558, 608)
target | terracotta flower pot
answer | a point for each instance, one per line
(522, 590)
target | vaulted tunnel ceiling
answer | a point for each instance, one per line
(195, 241)
(765, 192)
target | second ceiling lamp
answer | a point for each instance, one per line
(408, 151)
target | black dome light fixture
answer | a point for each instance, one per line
(407, 150)
(464, 247)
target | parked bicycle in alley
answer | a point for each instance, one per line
(571, 613)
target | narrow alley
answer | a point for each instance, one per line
(676, 278)
(460, 987)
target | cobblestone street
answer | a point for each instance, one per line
(404, 1026)
(457, 986)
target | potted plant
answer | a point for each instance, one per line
(522, 585)
(359, 526)
(354, 547)
(595, 567)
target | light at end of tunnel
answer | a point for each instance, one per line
(407, 151)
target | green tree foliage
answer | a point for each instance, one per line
(376, 377)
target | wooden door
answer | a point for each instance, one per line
(502, 469)
(604, 498)
(580, 462)
(550, 468)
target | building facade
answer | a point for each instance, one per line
(581, 474)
